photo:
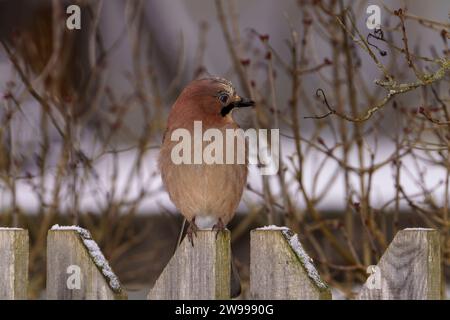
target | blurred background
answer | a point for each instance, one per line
(363, 116)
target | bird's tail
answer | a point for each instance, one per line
(180, 236)
(235, 280)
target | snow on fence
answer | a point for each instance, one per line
(279, 267)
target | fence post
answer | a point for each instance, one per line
(409, 269)
(201, 271)
(281, 269)
(77, 269)
(13, 263)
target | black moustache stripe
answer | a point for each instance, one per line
(226, 110)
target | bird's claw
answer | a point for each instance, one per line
(219, 226)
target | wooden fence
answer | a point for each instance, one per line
(279, 268)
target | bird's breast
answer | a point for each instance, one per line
(205, 189)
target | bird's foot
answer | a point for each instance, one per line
(192, 231)
(219, 226)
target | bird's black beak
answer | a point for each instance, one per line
(242, 103)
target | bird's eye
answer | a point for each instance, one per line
(223, 98)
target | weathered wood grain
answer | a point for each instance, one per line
(198, 272)
(410, 269)
(13, 264)
(69, 251)
(280, 268)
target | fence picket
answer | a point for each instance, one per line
(410, 269)
(76, 268)
(201, 271)
(280, 269)
(13, 263)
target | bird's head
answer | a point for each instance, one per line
(210, 100)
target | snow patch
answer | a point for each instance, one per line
(10, 229)
(83, 232)
(273, 227)
(306, 260)
(419, 229)
(96, 255)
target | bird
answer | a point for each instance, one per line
(207, 195)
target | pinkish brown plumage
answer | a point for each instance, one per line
(207, 195)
